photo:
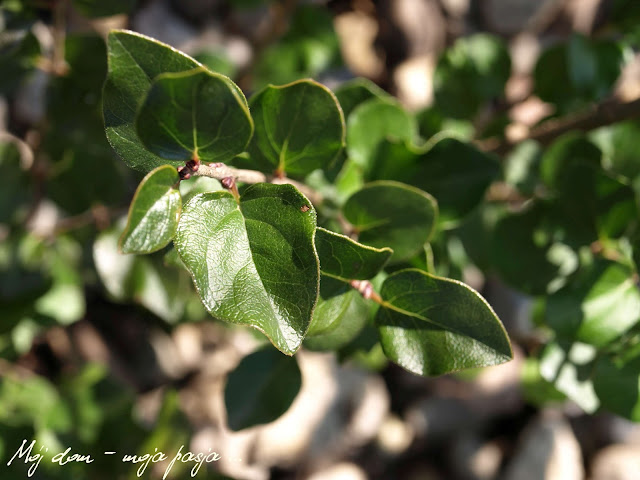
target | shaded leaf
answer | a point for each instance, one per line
(357, 91)
(299, 127)
(261, 388)
(432, 326)
(394, 215)
(154, 212)
(194, 114)
(254, 263)
(616, 382)
(347, 259)
(598, 306)
(99, 8)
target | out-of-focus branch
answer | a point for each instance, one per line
(605, 113)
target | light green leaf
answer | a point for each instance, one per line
(347, 259)
(154, 212)
(432, 326)
(391, 214)
(598, 306)
(254, 263)
(134, 61)
(261, 388)
(357, 91)
(340, 310)
(569, 366)
(371, 123)
(194, 114)
(299, 127)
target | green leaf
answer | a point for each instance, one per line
(347, 259)
(194, 114)
(616, 382)
(569, 366)
(372, 122)
(456, 173)
(473, 71)
(254, 263)
(598, 306)
(154, 212)
(582, 70)
(432, 326)
(618, 143)
(261, 388)
(542, 264)
(99, 8)
(15, 187)
(357, 91)
(391, 214)
(19, 51)
(299, 127)
(340, 315)
(134, 61)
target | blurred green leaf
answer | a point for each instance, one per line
(616, 382)
(99, 8)
(194, 114)
(581, 71)
(154, 212)
(394, 215)
(298, 128)
(19, 52)
(569, 367)
(470, 73)
(601, 304)
(618, 145)
(432, 326)
(15, 187)
(254, 263)
(261, 388)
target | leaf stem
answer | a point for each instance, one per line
(366, 290)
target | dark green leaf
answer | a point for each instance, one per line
(473, 71)
(194, 114)
(134, 61)
(254, 263)
(391, 214)
(616, 383)
(347, 259)
(542, 264)
(154, 212)
(19, 51)
(15, 188)
(598, 306)
(261, 388)
(100, 8)
(432, 326)
(299, 127)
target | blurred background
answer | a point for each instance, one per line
(101, 351)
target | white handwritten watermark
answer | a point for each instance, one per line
(32, 459)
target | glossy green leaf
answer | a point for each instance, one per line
(569, 366)
(340, 315)
(357, 91)
(394, 215)
(154, 212)
(194, 114)
(470, 73)
(254, 263)
(134, 61)
(299, 127)
(372, 122)
(598, 306)
(347, 259)
(261, 388)
(431, 325)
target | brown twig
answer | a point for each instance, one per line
(605, 113)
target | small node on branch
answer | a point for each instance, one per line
(184, 172)
(366, 290)
(230, 184)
